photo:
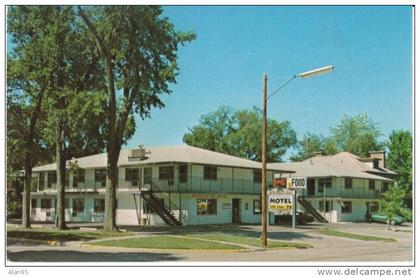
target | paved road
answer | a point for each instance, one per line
(326, 248)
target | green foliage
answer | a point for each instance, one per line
(357, 134)
(392, 202)
(312, 143)
(143, 46)
(400, 157)
(238, 133)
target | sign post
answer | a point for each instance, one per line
(294, 210)
(294, 184)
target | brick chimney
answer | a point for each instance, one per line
(379, 155)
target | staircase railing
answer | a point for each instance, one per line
(169, 205)
(308, 207)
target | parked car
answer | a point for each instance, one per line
(380, 217)
(301, 218)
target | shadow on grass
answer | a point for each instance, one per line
(53, 235)
(76, 256)
(234, 230)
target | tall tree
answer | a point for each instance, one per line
(400, 157)
(237, 132)
(357, 134)
(138, 49)
(29, 73)
(72, 85)
(312, 143)
(392, 203)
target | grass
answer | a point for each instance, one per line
(332, 232)
(46, 234)
(252, 241)
(167, 242)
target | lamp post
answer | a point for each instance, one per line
(306, 74)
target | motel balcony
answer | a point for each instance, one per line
(191, 184)
(340, 192)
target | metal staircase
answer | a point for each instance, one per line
(159, 206)
(308, 208)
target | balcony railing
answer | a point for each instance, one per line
(363, 192)
(190, 184)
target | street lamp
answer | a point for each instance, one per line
(307, 74)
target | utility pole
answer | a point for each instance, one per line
(264, 164)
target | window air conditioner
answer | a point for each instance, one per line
(146, 187)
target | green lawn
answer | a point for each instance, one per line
(167, 242)
(332, 232)
(251, 241)
(46, 234)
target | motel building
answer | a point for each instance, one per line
(341, 187)
(185, 185)
(175, 185)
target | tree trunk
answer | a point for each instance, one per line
(114, 146)
(26, 195)
(60, 221)
(110, 222)
(26, 203)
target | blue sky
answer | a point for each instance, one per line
(370, 47)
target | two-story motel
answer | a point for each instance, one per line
(188, 185)
(156, 185)
(342, 187)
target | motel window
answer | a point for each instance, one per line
(257, 206)
(46, 204)
(67, 203)
(100, 176)
(41, 181)
(206, 206)
(324, 182)
(133, 175)
(78, 177)
(148, 172)
(52, 178)
(33, 203)
(371, 184)
(78, 205)
(348, 183)
(99, 205)
(183, 173)
(328, 205)
(346, 207)
(166, 173)
(210, 173)
(257, 176)
(385, 187)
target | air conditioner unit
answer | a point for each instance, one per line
(138, 153)
(146, 187)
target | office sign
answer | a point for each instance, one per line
(296, 183)
(280, 183)
(280, 202)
